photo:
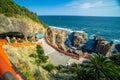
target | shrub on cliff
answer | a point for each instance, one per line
(40, 50)
(40, 56)
(10, 8)
(49, 67)
(12, 40)
(116, 58)
(27, 75)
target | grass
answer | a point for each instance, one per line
(21, 58)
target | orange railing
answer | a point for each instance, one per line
(6, 66)
(66, 53)
(4, 42)
(22, 44)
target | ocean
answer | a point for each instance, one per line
(106, 27)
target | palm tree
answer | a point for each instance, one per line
(102, 68)
(116, 58)
(83, 74)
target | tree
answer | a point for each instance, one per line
(116, 58)
(49, 67)
(10, 9)
(41, 58)
(102, 68)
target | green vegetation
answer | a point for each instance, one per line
(20, 41)
(97, 67)
(116, 58)
(102, 68)
(11, 9)
(24, 68)
(49, 67)
(30, 40)
(40, 56)
(27, 75)
(33, 55)
(12, 40)
(38, 75)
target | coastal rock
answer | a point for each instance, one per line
(79, 39)
(49, 35)
(60, 42)
(117, 47)
(104, 47)
(57, 37)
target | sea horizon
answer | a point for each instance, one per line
(79, 16)
(103, 26)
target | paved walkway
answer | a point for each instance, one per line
(57, 57)
(47, 49)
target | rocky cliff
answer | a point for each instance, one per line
(60, 37)
(78, 39)
(99, 45)
(104, 47)
(57, 37)
(75, 41)
(24, 25)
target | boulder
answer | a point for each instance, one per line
(103, 46)
(79, 39)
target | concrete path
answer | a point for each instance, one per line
(47, 49)
(57, 57)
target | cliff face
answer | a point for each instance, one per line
(23, 25)
(71, 41)
(78, 39)
(104, 47)
(59, 38)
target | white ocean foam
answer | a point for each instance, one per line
(116, 41)
(81, 31)
(92, 36)
(61, 28)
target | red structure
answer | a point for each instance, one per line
(7, 71)
(66, 53)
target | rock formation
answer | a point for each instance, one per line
(49, 35)
(104, 47)
(117, 47)
(58, 37)
(78, 39)
(24, 25)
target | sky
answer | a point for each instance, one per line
(73, 7)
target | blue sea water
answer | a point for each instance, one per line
(106, 27)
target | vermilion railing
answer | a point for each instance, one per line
(66, 53)
(4, 42)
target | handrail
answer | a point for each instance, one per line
(6, 66)
(64, 52)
